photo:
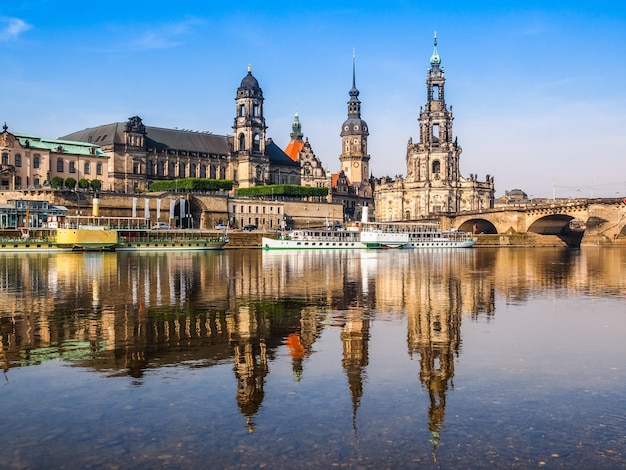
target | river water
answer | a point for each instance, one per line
(478, 358)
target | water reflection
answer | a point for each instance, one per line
(125, 314)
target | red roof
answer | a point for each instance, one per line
(293, 149)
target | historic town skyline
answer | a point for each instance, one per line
(537, 91)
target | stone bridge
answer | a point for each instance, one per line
(596, 221)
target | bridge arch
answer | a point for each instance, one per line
(478, 225)
(553, 224)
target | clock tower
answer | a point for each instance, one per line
(354, 157)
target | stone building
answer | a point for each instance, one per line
(312, 173)
(353, 186)
(433, 182)
(30, 162)
(141, 154)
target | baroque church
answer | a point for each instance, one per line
(433, 183)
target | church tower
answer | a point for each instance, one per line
(249, 134)
(436, 157)
(433, 184)
(354, 158)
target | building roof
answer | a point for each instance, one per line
(276, 155)
(59, 145)
(157, 138)
(293, 149)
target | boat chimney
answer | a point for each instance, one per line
(364, 213)
(96, 206)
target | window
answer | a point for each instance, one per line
(255, 110)
(181, 170)
(72, 167)
(256, 144)
(160, 168)
(435, 132)
(192, 170)
(87, 169)
(98, 168)
(149, 167)
(242, 142)
(60, 165)
(5, 158)
(203, 171)
(36, 160)
(242, 110)
(436, 92)
(171, 169)
(436, 166)
(18, 159)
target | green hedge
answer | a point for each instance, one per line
(290, 190)
(192, 184)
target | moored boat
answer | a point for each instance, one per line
(373, 235)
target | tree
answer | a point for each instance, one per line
(96, 185)
(83, 183)
(57, 182)
(70, 183)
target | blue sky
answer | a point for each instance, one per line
(538, 89)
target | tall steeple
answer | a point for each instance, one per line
(354, 158)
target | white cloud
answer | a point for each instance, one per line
(164, 36)
(11, 28)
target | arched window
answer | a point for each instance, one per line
(171, 169)
(192, 170)
(203, 171)
(242, 142)
(212, 172)
(87, 168)
(98, 168)
(5, 158)
(36, 160)
(181, 170)
(60, 165)
(160, 168)
(18, 159)
(436, 166)
(149, 167)
(257, 142)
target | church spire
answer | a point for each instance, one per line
(296, 129)
(354, 105)
(435, 60)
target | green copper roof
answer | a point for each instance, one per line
(435, 59)
(59, 146)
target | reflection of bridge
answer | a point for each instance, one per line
(601, 220)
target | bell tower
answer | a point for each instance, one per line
(249, 133)
(354, 157)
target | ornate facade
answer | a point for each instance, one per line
(353, 186)
(30, 162)
(312, 173)
(141, 154)
(433, 183)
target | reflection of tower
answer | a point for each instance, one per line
(250, 363)
(434, 332)
(355, 338)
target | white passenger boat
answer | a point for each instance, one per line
(372, 235)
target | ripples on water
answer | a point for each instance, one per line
(504, 358)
